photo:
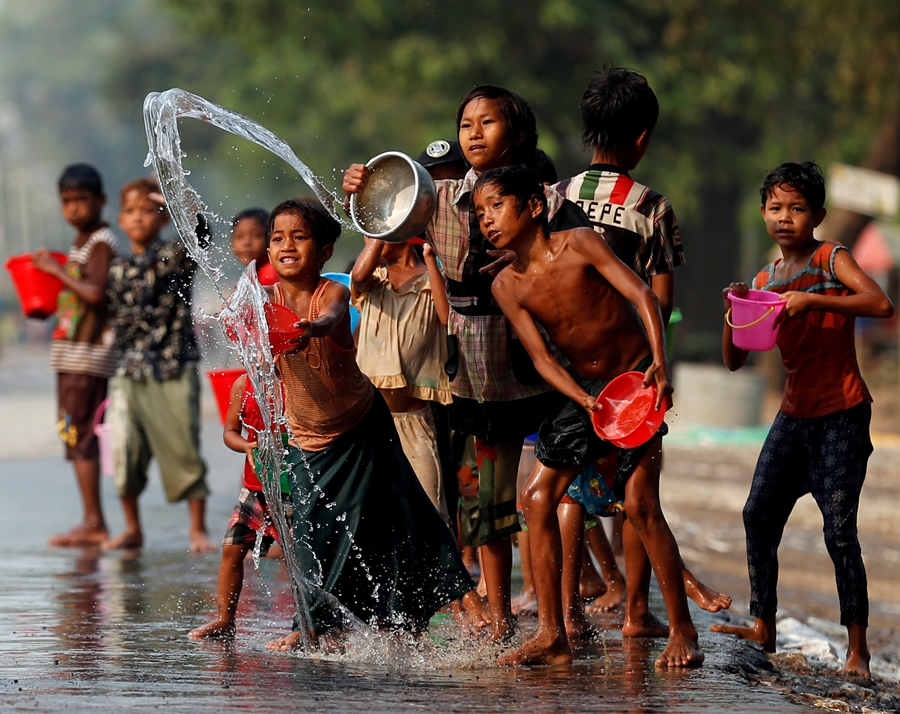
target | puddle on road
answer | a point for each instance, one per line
(109, 631)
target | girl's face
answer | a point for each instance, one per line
(248, 241)
(483, 135)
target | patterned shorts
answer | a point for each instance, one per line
(249, 515)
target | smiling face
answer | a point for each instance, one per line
(501, 220)
(292, 249)
(483, 135)
(789, 219)
(141, 218)
(248, 241)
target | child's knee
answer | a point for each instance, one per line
(642, 509)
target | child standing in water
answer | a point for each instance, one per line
(82, 353)
(819, 442)
(558, 279)
(496, 395)
(250, 514)
(402, 347)
(248, 243)
(364, 529)
(156, 389)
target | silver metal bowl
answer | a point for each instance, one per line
(398, 201)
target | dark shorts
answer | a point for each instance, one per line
(78, 398)
(250, 513)
(568, 440)
(504, 421)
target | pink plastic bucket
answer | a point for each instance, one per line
(752, 320)
(104, 440)
(37, 290)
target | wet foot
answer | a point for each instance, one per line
(79, 537)
(502, 630)
(291, 642)
(592, 585)
(611, 600)
(705, 597)
(645, 626)
(680, 652)
(219, 628)
(200, 543)
(126, 540)
(476, 610)
(760, 633)
(539, 650)
(579, 629)
(525, 603)
(857, 665)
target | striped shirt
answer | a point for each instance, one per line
(637, 222)
(83, 339)
(819, 347)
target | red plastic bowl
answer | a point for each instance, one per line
(282, 323)
(627, 417)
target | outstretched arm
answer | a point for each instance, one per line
(333, 306)
(632, 288)
(438, 289)
(546, 364)
(368, 260)
(868, 299)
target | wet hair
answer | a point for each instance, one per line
(260, 214)
(521, 126)
(146, 186)
(519, 182)
(544, 168)
(81, 177)
(616, 108)
(324, 228)
(805, 178)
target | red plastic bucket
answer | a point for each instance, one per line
(281, 322)
(222, 381)
(37, 290)
(104, 440)
(752, 319)
(627, 417)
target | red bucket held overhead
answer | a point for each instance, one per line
(222, 381)
(627, 417)
(37, 290)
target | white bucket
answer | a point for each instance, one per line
(104, 440)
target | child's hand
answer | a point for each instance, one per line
(504, 258)
(248, 449)
(590, 403)
(45, 263)
(301, 342)
(796, 303)
(657, 374)
(428, 253)
(356, 178)
(739, 290)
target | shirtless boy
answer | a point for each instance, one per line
(560, 279)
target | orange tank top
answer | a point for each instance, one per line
(325, 393)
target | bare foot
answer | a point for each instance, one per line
(291, 642)
(124, 541)
(705, 597)
(503, 630)
(80, 536)
(218, 628)
(476, 610)
(761, 632)
(857, 664)
(592, 584)
(578, 628)
(539, 650)
(525, 603)
(611, 600)
(200, 543)
(680, 652)
(646, 626)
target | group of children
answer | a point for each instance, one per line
(527, 298)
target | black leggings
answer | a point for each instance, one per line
(825, 456)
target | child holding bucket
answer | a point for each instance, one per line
(364, 530)
(251, 514)
(558, 279)
(156, 389)
(819, 442)
(82, 351)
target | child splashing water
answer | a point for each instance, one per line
(365, 531)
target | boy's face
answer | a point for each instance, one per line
(80, 208)
(292, 248)
(248, 240)
(482, 135)
(141, 218)
(789, 219)
(500, 219)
